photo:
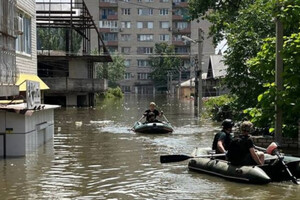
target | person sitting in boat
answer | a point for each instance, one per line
(223, 138)
(154, 113)
(241, 150)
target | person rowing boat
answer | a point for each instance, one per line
(152, 113)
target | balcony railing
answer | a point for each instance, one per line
(65, 84)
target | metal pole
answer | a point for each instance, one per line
(199, 72)
(196, 89)
(278, 80)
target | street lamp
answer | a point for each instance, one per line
(198, 72)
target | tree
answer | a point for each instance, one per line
(163, 62)
(115, 70)
(249, 29)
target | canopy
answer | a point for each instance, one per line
(30, 77)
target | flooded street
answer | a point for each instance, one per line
(94, 155)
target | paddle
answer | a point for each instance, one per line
(165, 118)
(178, 158)
(138, 121)
(276, 152)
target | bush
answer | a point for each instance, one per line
(114, 93)
(218, 108)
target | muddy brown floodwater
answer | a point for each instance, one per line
(94, 156)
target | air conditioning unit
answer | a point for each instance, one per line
(18, 25)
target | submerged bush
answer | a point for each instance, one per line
(113, 93)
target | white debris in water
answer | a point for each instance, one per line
(78, 123)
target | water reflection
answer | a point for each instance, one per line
(94, 155)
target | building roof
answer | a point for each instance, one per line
(216, 67)
(188, 82)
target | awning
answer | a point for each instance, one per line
(30, 77)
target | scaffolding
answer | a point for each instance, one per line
(75, 24)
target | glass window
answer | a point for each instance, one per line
(125, 11)
(164, 24)
(143, 63)
(164, 37)
(125, 37)
(164, 11)
(125, 50)
(182, 25)
(125, 24)
(145, 11)
(145, 38)
(145, 50)
(144, 76)
(127, 63)
(23, 42)
(127, 76)
(108, 24)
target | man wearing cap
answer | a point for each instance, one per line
(223, 138)
(152, 113)
(241, 150)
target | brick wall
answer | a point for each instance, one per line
(28, 63)
(286, 142)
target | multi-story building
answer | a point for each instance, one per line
(69, 45)
(132, 27)
(24, 124)
(8, 33)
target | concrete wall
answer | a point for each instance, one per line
(27, 63)
(28, 132)
(78, 69)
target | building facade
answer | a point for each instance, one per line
(69, 46)
(132, 27)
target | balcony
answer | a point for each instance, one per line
(177, 18)
(111, 4)
(185, 30)
(111, 43)
(109, 17)
(180, 4)
(65, 84)
(179, 43)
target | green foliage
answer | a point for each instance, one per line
(114, 71)
(55, 39)
(163, 62)
(249, 28)
(218, 108)
(113, 93)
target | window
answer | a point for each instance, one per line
(164, 1)
(127, 76)
(144, 76)
(164, 37)
(125, 24)
(143, 63)
(181, 25)
(164, 11)
(125, 37)
(23, 42)
(126, 0)
(125, 50)
(127, 63)
(164, 25)
(108, 24)
(148, 25)
(126, 88)
(104, 12)
(110, 36)
(181, 50)
(145, 38)
(179, 37)
(125, 11)
(148, 1)
(145, 50)
(145, 11)
(112, 49)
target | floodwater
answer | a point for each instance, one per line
(94, 155)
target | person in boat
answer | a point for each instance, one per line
(241, 150)
(152, 113)
(223, 138)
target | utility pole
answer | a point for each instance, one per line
(278, 80)
(198, 76)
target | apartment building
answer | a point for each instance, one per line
(25, 123)
(132, 27)
(69, 45)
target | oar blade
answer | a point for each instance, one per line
(173, 158)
